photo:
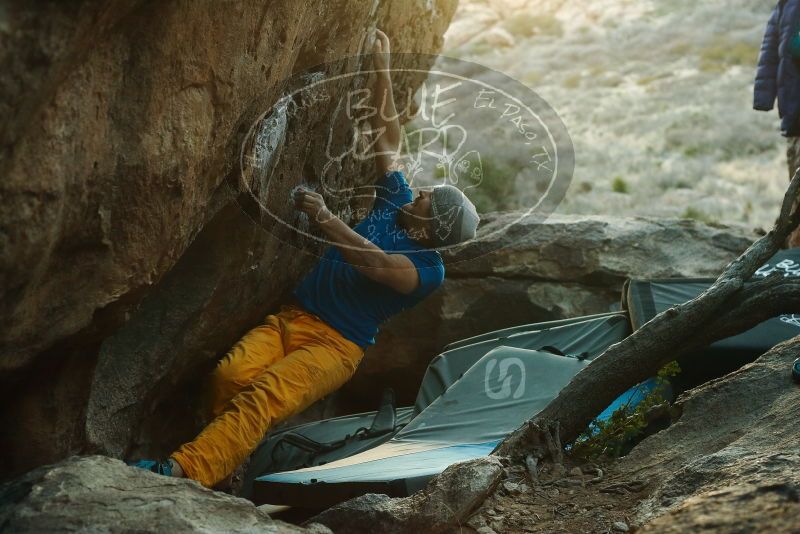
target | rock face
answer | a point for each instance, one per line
(737, 473)
(445, 502)
(565, 267)
(98, 494)
(126, 263)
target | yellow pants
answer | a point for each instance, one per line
(275, 371)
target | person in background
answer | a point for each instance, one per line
(778, 76)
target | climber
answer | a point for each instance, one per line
(314, 344)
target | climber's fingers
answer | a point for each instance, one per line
(309, 202)
(380, 49)
(382, 40)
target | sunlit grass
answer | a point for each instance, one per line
(530, 24)
(572, 81)
(659, 95)
(697, 215)
(723, 53)
(648, 79)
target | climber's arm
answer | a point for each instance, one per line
(385, 121)
(394, 270)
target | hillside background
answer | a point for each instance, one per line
(656, 95)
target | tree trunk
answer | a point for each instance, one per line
(727, 308)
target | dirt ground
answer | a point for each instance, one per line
(727, 464)
(573, 498)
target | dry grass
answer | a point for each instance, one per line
(722, 53)
(530, 24)
(656, 93)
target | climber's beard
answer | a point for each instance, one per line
(403, 220)
(404, 215)
(415, 223)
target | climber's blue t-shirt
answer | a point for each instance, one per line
(348, 300)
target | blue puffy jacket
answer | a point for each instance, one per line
(777, 75)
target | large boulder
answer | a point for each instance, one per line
(446, 501)
(127, 265)
(731, 461)
(532, 271)
(100, 494)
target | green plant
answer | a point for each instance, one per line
(692, 151)
(496, 190)
(609, 438)
(619, 185)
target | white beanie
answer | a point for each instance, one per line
(455, 218)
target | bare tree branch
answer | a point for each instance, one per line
(730, 306)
